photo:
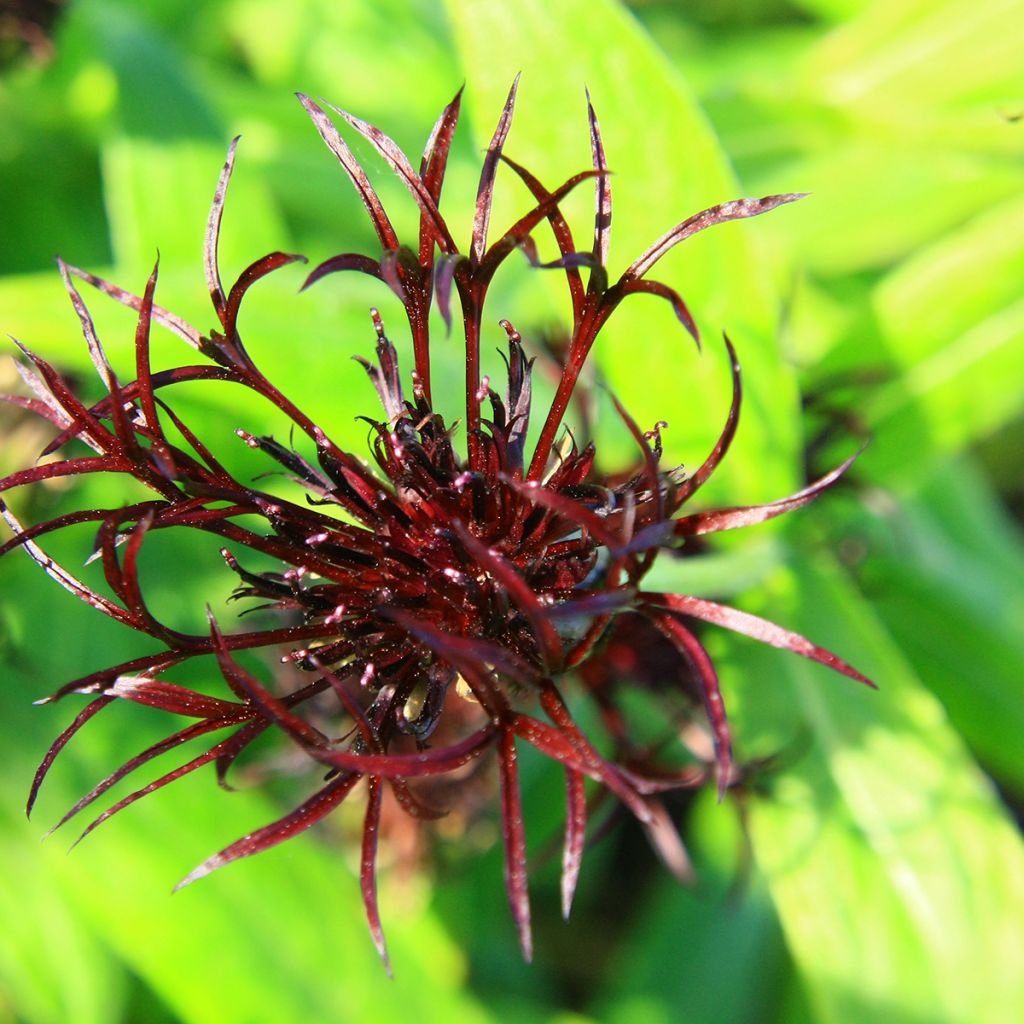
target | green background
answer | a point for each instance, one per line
(877, 873)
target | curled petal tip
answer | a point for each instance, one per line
(192, 876)
(382, 951)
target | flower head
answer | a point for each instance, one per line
(438, 600)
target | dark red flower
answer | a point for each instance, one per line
(431, 600)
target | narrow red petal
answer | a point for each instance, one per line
(439, 144)
(368, 868)
(563, 237)
(399, 163)
(436, 761)
(318, 806)
(520, 230)
(575, 836)
(663, 291)
(172, 776)
(514, 835)
(664, 838)
(602, 189)
(212, 240)
(67, 467)
(735, 209)
(155, 750)
(175, 699)
(720, 519)
(692, 484)
(338, 146)
(144, 382)
(485, 189)
(182, 328)
(343, 261)
(88, 515)
(75, 410)
(276, 710)
(248, 277)
(753, 626)
(693, 651)
(69, 582)
(605, 772)
(59, 744)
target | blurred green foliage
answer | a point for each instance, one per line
(885, 879)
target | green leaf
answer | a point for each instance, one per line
(157, 95)
(877, 200)
(52, 966)
(933, 58)
(897, 875)
(948, 587)
(954, 321)
(309, 45)
(940, 292)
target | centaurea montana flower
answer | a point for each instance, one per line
(436, 598)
